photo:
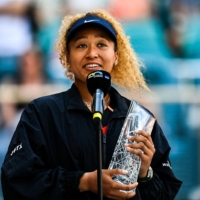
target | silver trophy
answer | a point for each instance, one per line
(137, 119)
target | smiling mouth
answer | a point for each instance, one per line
(91, 66)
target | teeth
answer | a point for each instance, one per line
(92, 65)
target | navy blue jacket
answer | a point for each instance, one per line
(55, 143)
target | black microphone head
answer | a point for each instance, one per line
(98, 80)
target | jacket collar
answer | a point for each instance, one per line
(121, 103)
(73, 101)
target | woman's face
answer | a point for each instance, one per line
(90, 49)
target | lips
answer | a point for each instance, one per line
(92, 66)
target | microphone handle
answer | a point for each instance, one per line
(98, 104)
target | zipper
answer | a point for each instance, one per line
(104, 141)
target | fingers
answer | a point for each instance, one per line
(126, 188)
(121, 194)
(143, 147)
(114, 172)
(144, 143)
(146, 137)
(116, 190)
(121, 191)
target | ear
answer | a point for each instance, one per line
(68, 58)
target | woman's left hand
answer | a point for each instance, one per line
(144, 148)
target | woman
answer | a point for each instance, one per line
(53, 152)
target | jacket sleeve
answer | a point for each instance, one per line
(164, 185)
(26, 171)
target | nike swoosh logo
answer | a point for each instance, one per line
(92, 20)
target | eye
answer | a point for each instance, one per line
(81, 46)
(102, 44)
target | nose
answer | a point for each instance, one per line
(92, 52)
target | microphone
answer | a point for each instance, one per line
(98, 84)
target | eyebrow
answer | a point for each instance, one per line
(85, 37)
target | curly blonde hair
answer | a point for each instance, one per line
(126, 73)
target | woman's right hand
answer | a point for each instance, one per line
(111, 189)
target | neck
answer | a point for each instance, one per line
(87, 97)
(106, 102)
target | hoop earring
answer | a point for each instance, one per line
(72, 76)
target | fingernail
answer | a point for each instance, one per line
(124, 171)
(137, 131)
